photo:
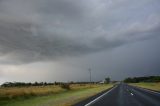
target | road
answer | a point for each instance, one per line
(125, 95)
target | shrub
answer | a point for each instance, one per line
(65, 86)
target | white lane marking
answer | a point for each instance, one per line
(147, 90)
(132, 94)
(96, 99)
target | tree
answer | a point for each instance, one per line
(142, 79)
(107, 80)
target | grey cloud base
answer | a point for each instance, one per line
(53, 30)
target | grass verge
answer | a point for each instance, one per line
(61, 98)
(147, 85)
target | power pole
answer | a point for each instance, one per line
(90, 75)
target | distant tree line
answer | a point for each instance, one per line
(142, 79)
(23, 84)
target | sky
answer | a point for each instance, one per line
(59, 40)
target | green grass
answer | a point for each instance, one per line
(62, 98)
(152, 86)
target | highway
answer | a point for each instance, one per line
(124, 95)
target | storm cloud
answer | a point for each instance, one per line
(37, 30)
(53, 30)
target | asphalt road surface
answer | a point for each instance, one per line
(125, 95)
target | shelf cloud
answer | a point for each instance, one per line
(51, 30)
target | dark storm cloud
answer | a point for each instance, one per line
(36, 30)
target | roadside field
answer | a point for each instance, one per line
(49, 95)
(149, 85)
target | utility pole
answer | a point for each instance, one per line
(90, 75)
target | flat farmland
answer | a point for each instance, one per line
(53, 95)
